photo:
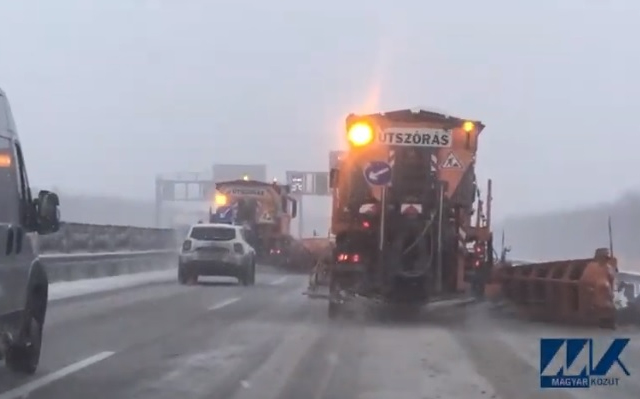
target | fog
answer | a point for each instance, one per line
(107, 94)
(576, 233)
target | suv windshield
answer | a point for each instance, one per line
(207, 233)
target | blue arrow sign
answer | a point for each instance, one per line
(378, 173)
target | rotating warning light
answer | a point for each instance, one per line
(221, 200)
(360, 134)
(468, 126)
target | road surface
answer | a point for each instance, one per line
(221, 340)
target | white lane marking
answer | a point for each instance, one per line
(220, 305)
(29, 387)
(279, 281)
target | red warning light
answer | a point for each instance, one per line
(355, 258)
(366, 224)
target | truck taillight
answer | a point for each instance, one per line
(351, 258)
(479, 250)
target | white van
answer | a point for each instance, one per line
(23, 279)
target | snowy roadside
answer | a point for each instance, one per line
(69, 289)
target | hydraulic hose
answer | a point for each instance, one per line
(422, 234)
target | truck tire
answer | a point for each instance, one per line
(23, 355)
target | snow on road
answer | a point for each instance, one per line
(227, 341)
(68, 289)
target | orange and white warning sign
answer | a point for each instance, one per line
(451, 162)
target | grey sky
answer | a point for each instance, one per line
(107, 93)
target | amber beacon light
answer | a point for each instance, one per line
(468, 126)
(360, 134)
(220, 199)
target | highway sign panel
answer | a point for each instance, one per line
(378, 173)
(308, 183)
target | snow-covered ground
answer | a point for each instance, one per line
(68, 289)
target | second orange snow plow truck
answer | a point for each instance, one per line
(265, 209)
(403, 210)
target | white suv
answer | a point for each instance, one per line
(217, 249)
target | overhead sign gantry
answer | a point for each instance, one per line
(308, 183)
(199, 186)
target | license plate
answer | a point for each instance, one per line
(213, 253)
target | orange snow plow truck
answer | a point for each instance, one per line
(411, 227)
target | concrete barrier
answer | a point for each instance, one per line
(79, 266)
(86, 251)
(77, 237)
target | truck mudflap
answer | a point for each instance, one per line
(576, 291)
(318, 287)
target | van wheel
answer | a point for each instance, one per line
(253, 274)
(23, 355)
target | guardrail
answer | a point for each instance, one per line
(85, 251)
(78, 237)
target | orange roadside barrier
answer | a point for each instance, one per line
(578, 291)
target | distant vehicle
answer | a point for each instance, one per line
(217, 249)
(265, 209)
(23, 278)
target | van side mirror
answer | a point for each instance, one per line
(48, 211)
(294, 209)
(333, 178)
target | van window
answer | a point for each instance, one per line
(9, 204)
(211, 233)
(4, 114)
(23, 186)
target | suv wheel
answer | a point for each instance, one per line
(187, 278)
(253, 273)
(245, 279)
(182, 277)
(23, 355)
